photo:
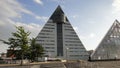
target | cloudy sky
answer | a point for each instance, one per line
(91, 19)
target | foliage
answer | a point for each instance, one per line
(22, 46)
(23, 41)
(36, 50)
(20, 41)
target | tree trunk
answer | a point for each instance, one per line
(22, 56)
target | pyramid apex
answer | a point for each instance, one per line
(59, 9)
(58, 6)
(58, 15)
(116, 21)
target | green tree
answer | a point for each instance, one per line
(19, 40)
(23, 41)
(36, 50)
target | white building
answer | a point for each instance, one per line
(59, 38)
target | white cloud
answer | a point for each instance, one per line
(43, 18)
(89, 36)
(1, 23)
(87, 39)
(32, 27)
(92, 35)
(38, 1)
(75, 16)
(116, 6)
(12, 9)
(114, 13)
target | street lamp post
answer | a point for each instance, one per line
(67, 53)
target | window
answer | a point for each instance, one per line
(49, 47)
(59, 40)
(49, 28)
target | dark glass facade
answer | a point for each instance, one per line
(59, 40)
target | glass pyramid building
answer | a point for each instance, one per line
(109, 48)
(59, 38)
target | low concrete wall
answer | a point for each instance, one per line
(80, 64)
